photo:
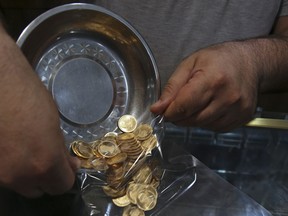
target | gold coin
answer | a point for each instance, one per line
(143, 131)
(112, 192)
(111, 134)
(147, 198)
(149, 144)
(99, 164)
(143, 175)
(121, 201)
(85, 163)
(73, 147)
(119, 158)
(114, 174)
(82, 149)
(95, 143)
(132, 210)
(133, 191)
(126, 137)
(155, 183)
(108, 149)
(127, 123)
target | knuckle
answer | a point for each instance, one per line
(219, 81)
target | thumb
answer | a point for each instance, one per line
(178, 79)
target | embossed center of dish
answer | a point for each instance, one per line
(83, 90)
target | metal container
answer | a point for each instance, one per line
(95, 64)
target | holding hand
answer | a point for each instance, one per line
(214, 88)
(34, 158)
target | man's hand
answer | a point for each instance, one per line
(34, 158)
(214, 88)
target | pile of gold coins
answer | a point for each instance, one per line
(122, 156)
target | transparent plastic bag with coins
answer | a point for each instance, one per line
(125, 170)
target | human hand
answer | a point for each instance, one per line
(214, 88)
(34, 158)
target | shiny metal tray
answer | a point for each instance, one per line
(95, 64)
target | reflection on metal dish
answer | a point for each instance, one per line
(96, 66)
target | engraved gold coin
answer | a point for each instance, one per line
(121, 201)
(133, 191)
(108, 149)
(127, 123)
(147, 198)
(82, 149)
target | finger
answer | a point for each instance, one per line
(192, 98)
(203, 117)
(178, 79)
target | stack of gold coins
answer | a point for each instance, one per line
(118, 155)
(114, 152)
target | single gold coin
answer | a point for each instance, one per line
(108, 149)
(147, 198)
(121, 201)
(127, 123)
(143, 131)
(143, 175)
(82, 149)
(133, 191)
(111, 134)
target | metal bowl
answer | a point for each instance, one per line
(95, 64)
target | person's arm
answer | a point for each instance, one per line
(217, 87)
(34, 158)
(275, 54)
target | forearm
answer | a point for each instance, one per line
(269, 57)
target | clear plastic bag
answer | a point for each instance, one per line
(163, 173)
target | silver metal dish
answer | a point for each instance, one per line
(95, 64)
